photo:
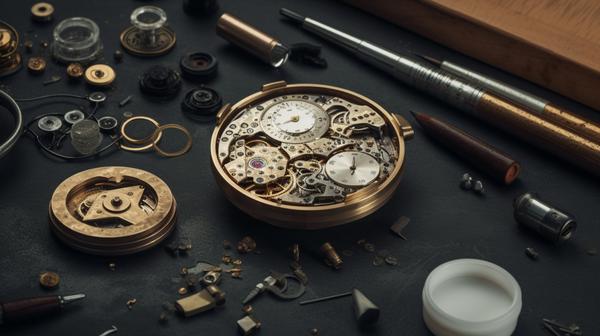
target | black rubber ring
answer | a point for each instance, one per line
(198, 65)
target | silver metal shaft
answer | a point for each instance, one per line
(436, 82)
(524, 98)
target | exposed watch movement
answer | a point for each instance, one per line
(308, 156)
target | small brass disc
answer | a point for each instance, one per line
(49, 279)
(100, 75)
(112, 211)
(42, 11)
(75, 70)
(165, 41)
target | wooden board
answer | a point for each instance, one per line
(554, 43)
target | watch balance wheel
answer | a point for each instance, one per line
(112, 211)
(308, 156)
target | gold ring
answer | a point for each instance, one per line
(158, 132)
(139, 141)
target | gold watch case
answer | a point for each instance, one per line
(308, 156)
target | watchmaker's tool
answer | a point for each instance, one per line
(21, 310)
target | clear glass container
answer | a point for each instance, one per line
(148, 19)
(86, 136)
(76, 40)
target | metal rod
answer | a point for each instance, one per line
(325, 298)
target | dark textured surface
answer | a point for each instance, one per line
(447, 222)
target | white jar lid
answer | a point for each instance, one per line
(471, 297)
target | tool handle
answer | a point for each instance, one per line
(498, 164)
(19, 310)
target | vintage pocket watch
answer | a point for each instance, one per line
(308, 156)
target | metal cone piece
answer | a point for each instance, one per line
(366, 312)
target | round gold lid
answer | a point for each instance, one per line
(100, 74)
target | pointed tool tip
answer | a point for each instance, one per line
(295, 17)
(430, 60)
(413, 113)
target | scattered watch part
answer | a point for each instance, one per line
(369, 247)
(531, 253)
(400, 224)
(130, 303)
(378, 261)
(246, 245)
(252, 40)
(226, 244)
(96, 97)
(149, 36)
(112, 266)
(592, 251)
(86, 136)
(391, 261)
(42, 11)
(100, 75)
(367, 313)
(202, 102)
(347, 253)
(50, 123)
(331, 256)
(44, 45)
(76, 40)
(383, 254)
(237, 263)
(108, 124)
(301, 276)
(199, 65)
(52, 79)
(75, 70)
(191, 282)
(213, 269)
(307, 124)
(308, 54)
(36, 65)
(125, 101)
(184, 272)
(28, 46)
(360, 242)
(247, 309)
(226, 259)
(74, 116)
(552, 223)
(466, 182)
(200, 7)
(10, 58)
(248, 325)
(49, 280)
(109, 331)
(183, 248)
(313, 331)
(118, 56)
(111, 211)
(164, 317)
(283, 293)
(212, 278)
(155, 137)
(207, 299)
(182, 291)
(294, 252)
(478, 188)
(160, 83)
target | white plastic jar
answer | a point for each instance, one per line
(471, 297)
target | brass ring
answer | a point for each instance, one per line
(158, 132)
(139, 141)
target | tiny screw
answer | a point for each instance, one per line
(531, 253)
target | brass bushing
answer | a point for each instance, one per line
(42, 11)
(75, 70)
(331, 256)
(37, 65)
(100, 75)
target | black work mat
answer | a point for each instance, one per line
(447, 222)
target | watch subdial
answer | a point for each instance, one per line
(294, 121)
(352, 169)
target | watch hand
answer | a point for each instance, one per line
(294, 119)
(353, 167)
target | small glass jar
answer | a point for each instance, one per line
(76, 40)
